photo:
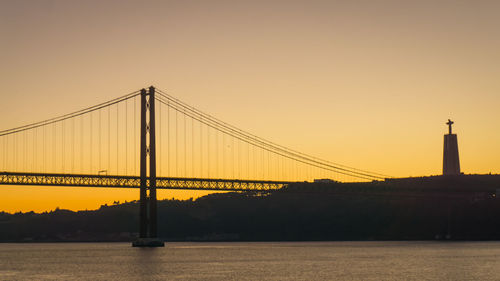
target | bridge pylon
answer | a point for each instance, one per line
(148, 234)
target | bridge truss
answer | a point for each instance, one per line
(111, 181)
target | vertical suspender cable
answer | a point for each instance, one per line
(90, 143)
(3, 153)
(126, 137)
(54, 147)
(291, 170)
(73, 145)
(201, 146)
(25, 154)
(63, 145)
(208, 151)
(159, 158)
(26, 147)
(43, 150)
(17, 158)
(185, 147)
(8, 161)
(268, 164)
(11, 152)
(20, 149)
(6, 152)
(233, 162)
(238, 153)
(264, 168)
(224, 162)
(216, 153)
(281, 169)
(192, 148)
(284, 175)
(298, 175)
(256, 162)
(274, 167)
(34, 154)
(15, 152)
(248, 160)
(117, 137)
(168, 139)
(176, 145)
(135, 136)
(109, 139)
(81, 144)
(100, 141)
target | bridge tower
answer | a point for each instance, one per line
(148, 209)
(451, 163)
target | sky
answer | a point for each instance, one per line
(369, 84)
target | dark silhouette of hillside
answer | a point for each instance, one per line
(390, 210)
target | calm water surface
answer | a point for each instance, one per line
(253, 261)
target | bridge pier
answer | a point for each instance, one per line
(148, 234)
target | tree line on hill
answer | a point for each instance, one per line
(303, 212)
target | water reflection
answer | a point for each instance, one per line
(252, 261)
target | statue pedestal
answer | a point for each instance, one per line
(451, 163)
(148, 242)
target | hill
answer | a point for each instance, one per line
(403, 209)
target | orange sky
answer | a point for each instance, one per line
(368, 84)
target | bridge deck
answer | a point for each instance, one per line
(9, 178)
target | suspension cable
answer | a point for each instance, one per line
(222, 123)
(248, 137)
(67, 116)
(264, 148)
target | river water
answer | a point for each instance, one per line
(253, 261)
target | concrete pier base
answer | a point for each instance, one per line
(148, 242)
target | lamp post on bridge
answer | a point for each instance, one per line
(148, 210)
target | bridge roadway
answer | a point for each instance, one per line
(464, 185)
(43, 179)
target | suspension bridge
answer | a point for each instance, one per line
(150, 140)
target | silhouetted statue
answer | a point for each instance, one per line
(451, 162)
(449, 123)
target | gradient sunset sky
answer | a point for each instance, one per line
(369, 84)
